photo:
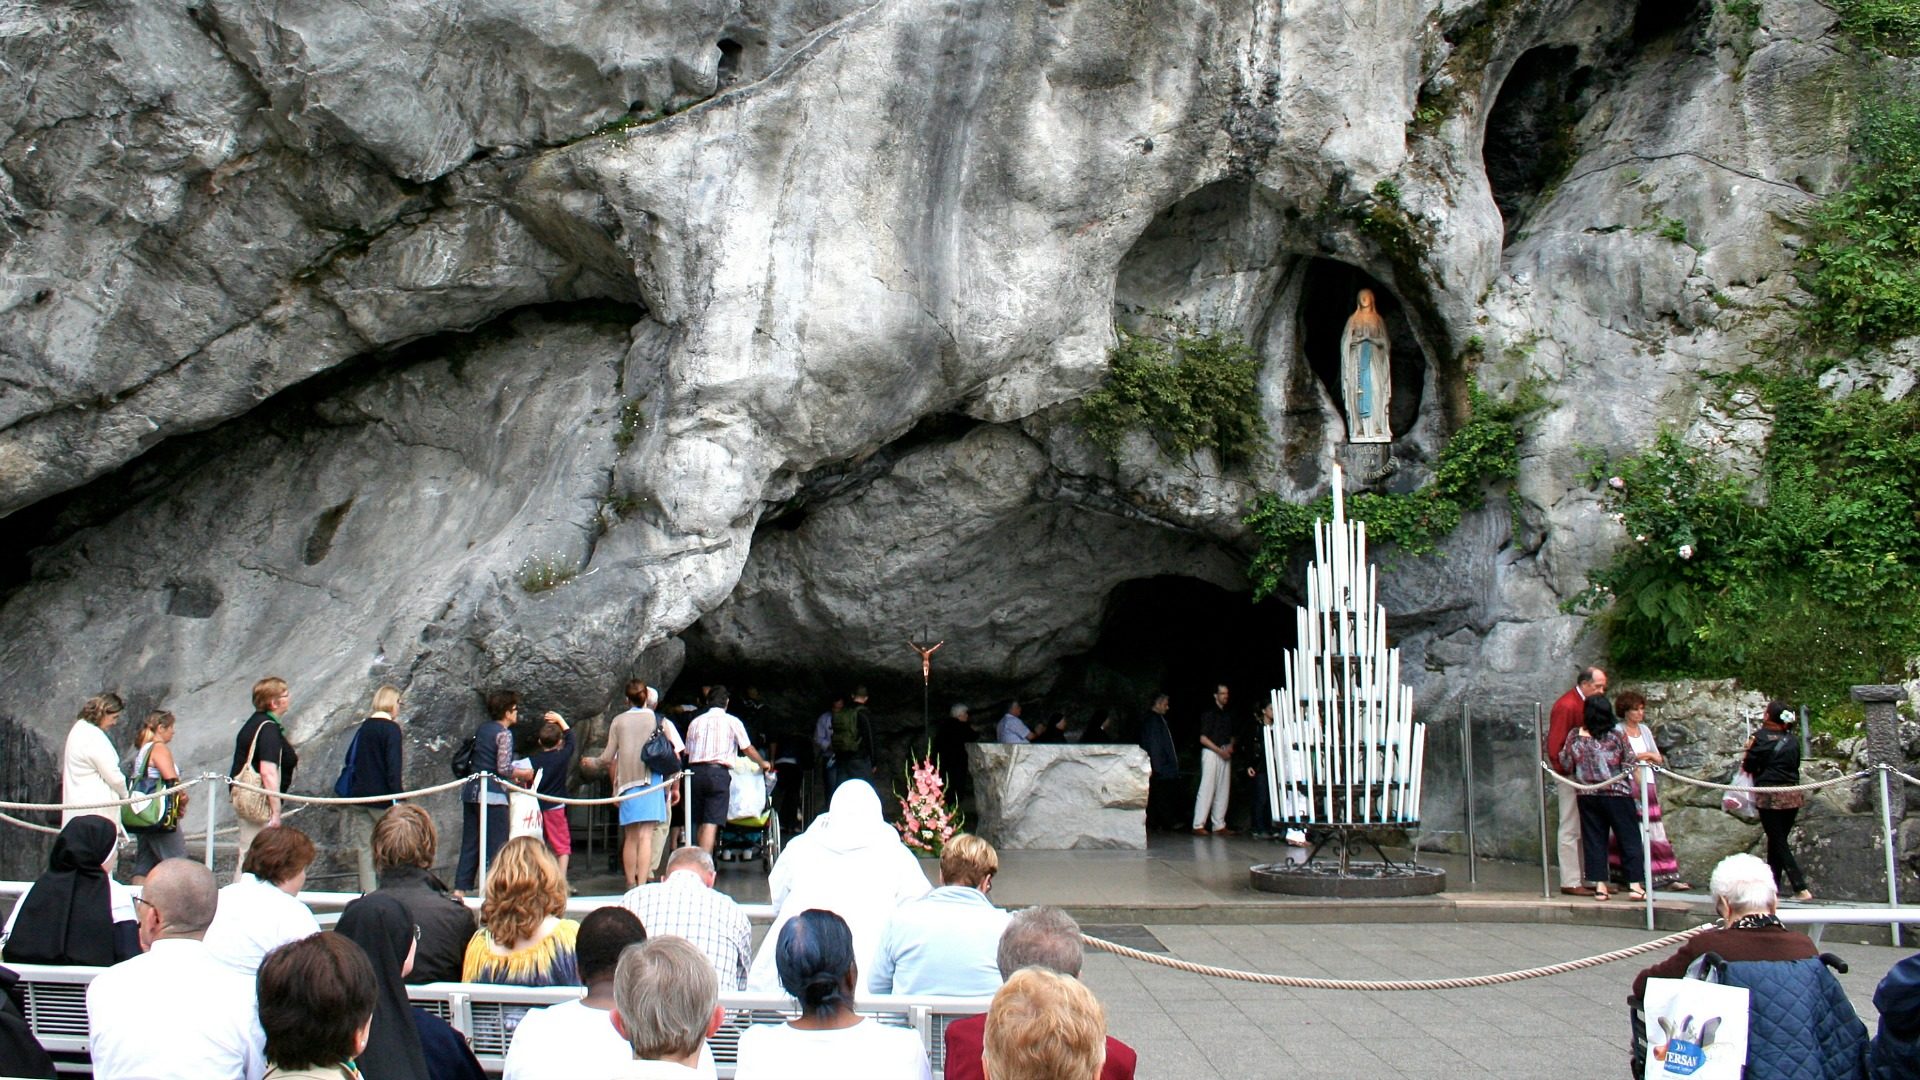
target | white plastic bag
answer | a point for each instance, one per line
(1739, 802)
(1695, 1029)
(523, 812)
(747, 798)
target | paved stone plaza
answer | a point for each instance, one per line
(1187, 1027)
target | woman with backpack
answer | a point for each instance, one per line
(625, 759)
(151, 769)
(373, 767)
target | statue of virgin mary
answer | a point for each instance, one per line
(1366, 373)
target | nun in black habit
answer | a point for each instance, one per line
(405, 1042)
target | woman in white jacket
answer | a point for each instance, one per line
(90, 769)
(850, 862)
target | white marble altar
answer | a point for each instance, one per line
(1053, 796)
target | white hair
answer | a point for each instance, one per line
(1744, 883)
(959, 710)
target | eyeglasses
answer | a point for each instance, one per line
(149, 903)
(416, 933)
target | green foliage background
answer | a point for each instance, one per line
(1800, 584)
(1197, 391)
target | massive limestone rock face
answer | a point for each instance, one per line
(768, 320)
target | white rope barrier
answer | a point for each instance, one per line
(610, 800)
(1815, 785)
(1371, 985)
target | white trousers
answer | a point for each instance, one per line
(1570, 869)
(1213, 791)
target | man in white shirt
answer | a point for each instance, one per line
(666, 1007)
(576, 1040)
(946, 943)
(175, 1012)
(260, 911)
(685, 904)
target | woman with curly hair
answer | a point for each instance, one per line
(522, 940)
(90, 768)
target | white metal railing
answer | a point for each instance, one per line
(56, 1009)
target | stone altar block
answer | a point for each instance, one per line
(1054, 796)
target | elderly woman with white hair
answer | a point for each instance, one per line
(1745, 895)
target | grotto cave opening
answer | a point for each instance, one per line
(1181, 635)
(1326, 301)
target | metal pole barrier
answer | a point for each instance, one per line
(213, 813)
(1645, 772)
(1466, 774)
(1540, 789)
(688, 837)
(480, 883)
(1886, 845)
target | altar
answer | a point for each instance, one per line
(1054, 796)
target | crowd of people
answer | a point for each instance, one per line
(239, 980)
(1592, 740)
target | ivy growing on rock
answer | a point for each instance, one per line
(1196, 391)
(1482, 451)
(1801, 582)
(1863, 267)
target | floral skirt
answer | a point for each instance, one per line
(1666, 866)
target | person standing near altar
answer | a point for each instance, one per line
(1216, 760)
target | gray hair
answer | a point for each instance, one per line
(185, 894)
(665, 990)
(1040, 937)
(689, 858)
(1744, 883)
(959, 710)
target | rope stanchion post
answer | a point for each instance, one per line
(1645, 773)
(1886, 846)
(213, 813)
(1540, 790)
(480, 883)
(1466, 783)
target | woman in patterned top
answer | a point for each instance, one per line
(522, 940)
(1598, 752)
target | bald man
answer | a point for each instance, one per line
(175, 1012)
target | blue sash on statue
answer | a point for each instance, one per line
(1365, 396)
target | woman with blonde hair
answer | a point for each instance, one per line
(153, 768)
(372, 768)
(1043, 1025)
(523, 940)
(90, 767)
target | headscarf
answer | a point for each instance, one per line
(853, 822)
(380, 924)
(67, 917)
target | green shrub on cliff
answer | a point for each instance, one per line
(1197, 391)
(1864, 263)
(1800, 584)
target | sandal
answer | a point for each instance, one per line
(1600, 893)
(1636, 894)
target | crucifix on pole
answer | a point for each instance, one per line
(926, 681)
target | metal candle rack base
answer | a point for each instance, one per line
(1343, 876)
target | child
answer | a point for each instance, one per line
(554, 760)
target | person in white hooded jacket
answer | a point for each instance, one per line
(850, 862)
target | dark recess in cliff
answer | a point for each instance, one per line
(1529, 141)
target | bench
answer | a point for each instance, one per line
(56, 1006)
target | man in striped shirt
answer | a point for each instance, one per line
(714, 739)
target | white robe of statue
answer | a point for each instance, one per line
(851, 862)
(1366, 373)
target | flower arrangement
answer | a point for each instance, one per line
(927, 821)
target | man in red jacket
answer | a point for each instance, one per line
(1036, 937)
(1567, 714)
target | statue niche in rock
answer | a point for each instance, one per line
(1366, 373)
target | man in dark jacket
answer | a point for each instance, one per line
(404, 843)
(1163, 786)
(1895, 1053)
